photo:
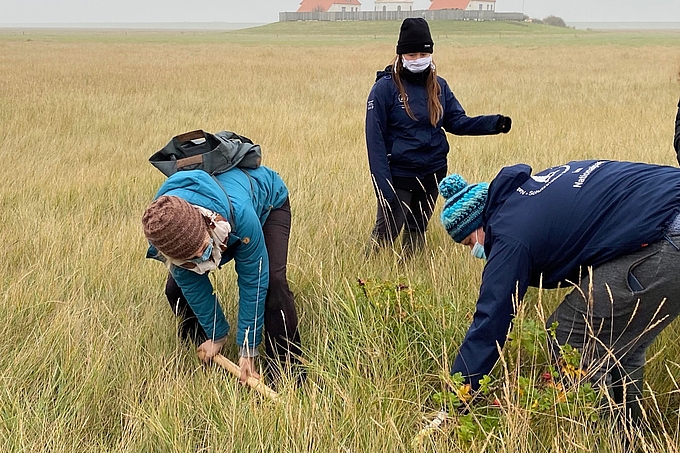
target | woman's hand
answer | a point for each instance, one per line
(247, 365)
(209, 349)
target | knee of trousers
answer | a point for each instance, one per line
(172, 289)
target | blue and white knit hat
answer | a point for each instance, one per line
(462, 213)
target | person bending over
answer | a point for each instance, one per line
(615, 223)
(196, 224)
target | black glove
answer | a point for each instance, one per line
(504, 124)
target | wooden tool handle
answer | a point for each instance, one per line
(255, 384)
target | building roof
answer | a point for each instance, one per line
(449, 4)
(453, 4)
(307, 6)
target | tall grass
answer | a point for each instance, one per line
(89, 360)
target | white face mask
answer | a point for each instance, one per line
(418, 65)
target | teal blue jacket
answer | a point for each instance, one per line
(253, 194)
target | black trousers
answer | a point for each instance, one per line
(281, 335)
(412, 208)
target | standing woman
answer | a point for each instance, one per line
(676, 140)
(408, 111)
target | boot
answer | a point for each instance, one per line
(626, 389)
(412, 242)
(633, 393)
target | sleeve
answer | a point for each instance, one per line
(458, 123)
(200, 296)
(252, 269)
(676, 141)
(505, 275)
(376, 129)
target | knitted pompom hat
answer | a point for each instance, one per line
(462, 213)
(174, 227)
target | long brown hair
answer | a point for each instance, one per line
(434, 106)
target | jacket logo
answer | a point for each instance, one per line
(544, 178)
(583, 176)
(401, 101)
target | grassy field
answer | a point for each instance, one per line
(89, 360)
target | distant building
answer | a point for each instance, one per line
(329, 6)
(393, 5)
(469, 5)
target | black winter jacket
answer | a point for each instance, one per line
(676, 142)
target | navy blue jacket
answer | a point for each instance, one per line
(552, 224)
(398, 145)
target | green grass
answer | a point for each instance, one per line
(313, 34)
(89, 360)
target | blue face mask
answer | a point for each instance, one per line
(206, 254)
(478, 250)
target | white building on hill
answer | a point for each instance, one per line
(469, 5)
(393, 5)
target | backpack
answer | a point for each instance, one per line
(212, 153)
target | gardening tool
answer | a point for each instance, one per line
(431, 427)
(253, 383)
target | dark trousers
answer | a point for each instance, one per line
(411, 210)
(616, 317)
(281, 335)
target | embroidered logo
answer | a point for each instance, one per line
(401, 101)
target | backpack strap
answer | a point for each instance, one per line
(250, 180)
(231, 207)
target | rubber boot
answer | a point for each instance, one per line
(626, 388)
(375, 245)
(412, 242)
(633, 394)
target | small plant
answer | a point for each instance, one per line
(536, 387)
(394, 297)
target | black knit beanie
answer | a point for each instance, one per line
(414, 37)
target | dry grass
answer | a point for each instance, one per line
(89, 360)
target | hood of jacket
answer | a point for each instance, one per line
(503, 185)
(198, 188)
(385, 73)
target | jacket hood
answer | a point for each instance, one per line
(385, 73)
(503, 185)
(197, 187)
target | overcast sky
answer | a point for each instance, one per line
(263, 11)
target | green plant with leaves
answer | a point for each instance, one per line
(532, 384)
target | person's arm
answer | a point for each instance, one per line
(457, 122)
(506, 274)
(676, 141)
(376, 130)
(198, 292)
(252, 267)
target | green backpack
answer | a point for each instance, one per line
(212, 153)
